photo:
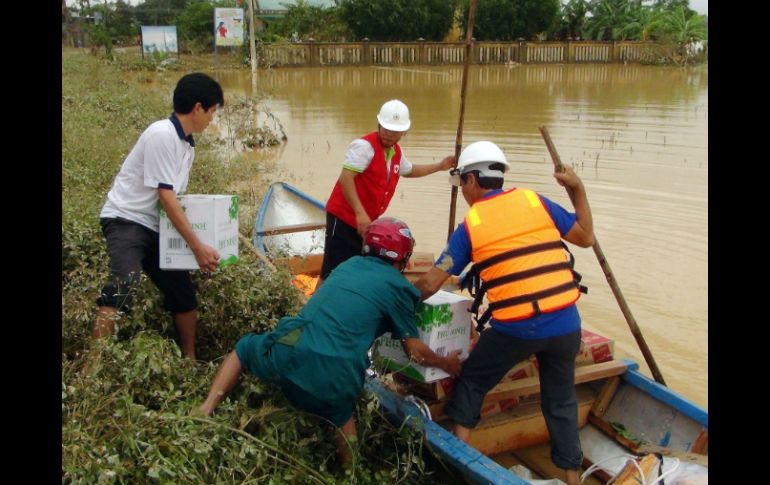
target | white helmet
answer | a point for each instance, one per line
(394, 116)
(480, 156)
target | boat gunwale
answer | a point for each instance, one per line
(664, 394)
(259, 240)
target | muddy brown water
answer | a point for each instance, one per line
(636, 135)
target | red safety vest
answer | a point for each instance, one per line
(372, 185)
(519, 256)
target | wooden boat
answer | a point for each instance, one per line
(290, 228)
(621, 413)
(620, 410)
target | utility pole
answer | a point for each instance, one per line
(252, 45)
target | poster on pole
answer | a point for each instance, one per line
(228, 26)
(159, 38)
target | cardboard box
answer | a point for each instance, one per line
(497, 407)
(522, 370)
(594, 348)
(488, 408)
(214, 219)
(419, 263)
(437, 390)
(309, 264)
(444, 325)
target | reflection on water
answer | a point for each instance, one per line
(637, 136)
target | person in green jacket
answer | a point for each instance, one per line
(319, 357)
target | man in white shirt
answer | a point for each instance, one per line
(154, 172)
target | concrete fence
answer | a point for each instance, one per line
(442, 53)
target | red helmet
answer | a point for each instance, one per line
(389, 239)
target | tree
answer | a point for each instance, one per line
(572, 19)
(677, 26)
(159, 12)
(196, 21)
(120, 20)
(671, 5)
(398, 20)
(617, 20)
(309, 21)
(511, 19)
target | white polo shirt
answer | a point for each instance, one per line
(162, 157)
(360, 154)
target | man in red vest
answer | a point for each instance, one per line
(370, 173)
(514, 239)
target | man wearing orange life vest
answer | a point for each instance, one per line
(514, 239)
(370, 173)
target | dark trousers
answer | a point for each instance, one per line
(341, 243)
(131, 248)
(495, 354)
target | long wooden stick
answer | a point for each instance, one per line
(264, 259)
(261, 256)
(608, 273)
(459, 137)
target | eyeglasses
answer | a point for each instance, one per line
(455, 177)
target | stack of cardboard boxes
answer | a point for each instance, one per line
(593, 349)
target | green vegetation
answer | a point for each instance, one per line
(398, 20)
(511, 19)
(130, 418)
(670, 23)
(309, 22)
(572, 20)
(631, 20)
(680, 33)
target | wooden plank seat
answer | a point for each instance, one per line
(272, 231)
(521, 426)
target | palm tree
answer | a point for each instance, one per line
(573, 18)
(675, 25)
(617, 19)
(679, 35)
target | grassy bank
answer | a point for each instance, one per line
(129, 420)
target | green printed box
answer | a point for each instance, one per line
(444, 325)
(214, 219)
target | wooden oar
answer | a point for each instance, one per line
(608, 273)
(459, 137)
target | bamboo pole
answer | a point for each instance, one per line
(459, 136)
(608, 273)
(261, 256)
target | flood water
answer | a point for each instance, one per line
(636, 135)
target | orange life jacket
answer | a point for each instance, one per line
(519, 258)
